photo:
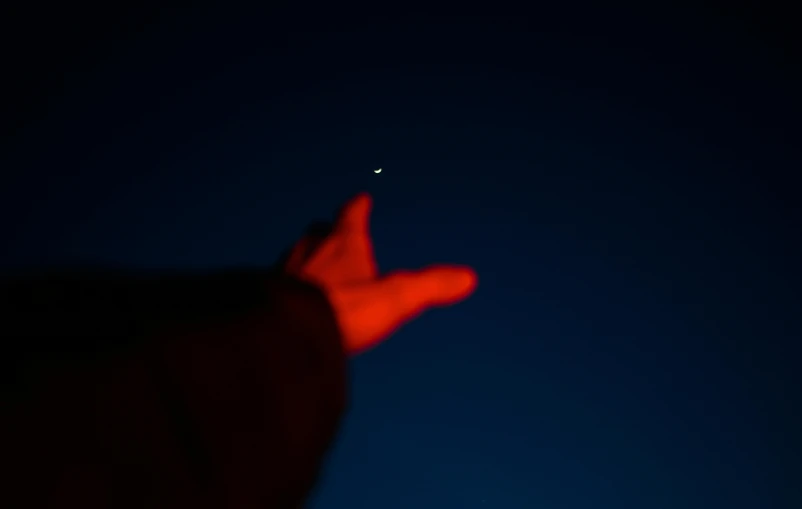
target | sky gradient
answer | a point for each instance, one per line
(623, 183)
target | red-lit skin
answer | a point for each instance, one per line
(368, 306)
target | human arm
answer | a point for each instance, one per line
(217, 389)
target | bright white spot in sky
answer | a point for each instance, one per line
(377, 171)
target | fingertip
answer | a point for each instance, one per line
(364, 202)
(448, 284)
(474, 280)
(356, 210)
(361, 199)
(466, 280)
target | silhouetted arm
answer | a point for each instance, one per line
(167, 390)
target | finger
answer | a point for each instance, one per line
(306, 247)
(437, 285)
(368, 313)
(355, 214)
(353, 232)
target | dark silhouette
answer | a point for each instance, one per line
(210, 389)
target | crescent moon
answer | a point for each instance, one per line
(377, 171)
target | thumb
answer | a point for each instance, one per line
(412, 292)
(369, 312)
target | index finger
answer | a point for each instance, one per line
(355, 214)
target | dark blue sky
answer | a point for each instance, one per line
(623, 182)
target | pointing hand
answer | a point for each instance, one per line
(369, 307)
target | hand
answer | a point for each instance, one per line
(369, 307)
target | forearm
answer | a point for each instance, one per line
(231, 384)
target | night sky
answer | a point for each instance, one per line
(623, 182)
